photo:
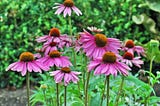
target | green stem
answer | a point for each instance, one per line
(107, 91)
(86, 89)
(65, 95)
(150, 69)
(119, 91)
(70, 26)
(57, 91)
(44, 93)
(28, 88)
(105, 82)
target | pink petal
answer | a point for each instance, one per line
(29, 67)
(66, 10)
(24, 70)
(76, 10)
(20, 66)
(58, 77)
(60, 9)
(11, 66)
(54, 73)
(98, 70)
(92, 65)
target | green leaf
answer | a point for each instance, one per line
(154, 5)
(148, 22)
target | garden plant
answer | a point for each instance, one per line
(82, 52)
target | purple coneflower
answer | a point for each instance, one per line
(107, 65)
(55, 36)
(78, 44)
(50, 46)
(66, 8)
(27, 63)
(129, 59)
(65, 73)
(95, 46)
(55, 58)
(130, 47)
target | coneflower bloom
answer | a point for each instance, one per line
(26, 63)
(95, 46)
(66, 8)
(66, 74)
(130, 47)
(129, 59)
(50, 46)
(78, 44)
(94, 29)
(55, 36)
(54, 58)
(108, 64)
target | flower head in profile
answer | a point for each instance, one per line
(94, 29)
(131, 47)
(26, 63)
(55, 36)
(66, 74)
(78, 44)
(54, 58)
(108, 64)
(66, 8)
(129, 59)
(96, 45)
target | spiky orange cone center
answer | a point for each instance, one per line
(100, 40)
(54, 32)
(26, 57)
(128, 55)
(66, 69)
(68, 3)
(54, 53)
(129, 44)
(109, 57)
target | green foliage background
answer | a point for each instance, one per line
(21, 21)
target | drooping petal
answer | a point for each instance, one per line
(66, 10)
(11, 65)
(76, 10)
(92, 65)
(24, 70)
(60, 9)
(58, 78)
(54, 73)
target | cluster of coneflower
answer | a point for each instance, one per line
(107, 56)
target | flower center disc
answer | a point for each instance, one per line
(66, 69)
(54, 53)
(128, 56)
(100, 40)
(68, 3)
(129, 44)
(54, 32)
(53, 44)
(109, 57)
(26, 57)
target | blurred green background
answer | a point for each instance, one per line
(21, 21)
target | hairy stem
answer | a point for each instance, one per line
(28, 88)
(44, 93)
(57, 91)
(102, 97)
(119, 91)
(86, 89)
(107, 91)
(65, 95)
